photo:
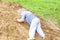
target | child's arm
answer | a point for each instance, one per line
(20, 20)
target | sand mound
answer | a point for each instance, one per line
(12, 30)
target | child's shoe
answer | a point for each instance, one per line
(31, 39)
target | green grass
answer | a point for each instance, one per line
(49, 9)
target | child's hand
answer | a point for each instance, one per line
(20, 20)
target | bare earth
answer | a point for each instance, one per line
(12, 30)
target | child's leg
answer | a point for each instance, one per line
(33, 27)
(40, 31)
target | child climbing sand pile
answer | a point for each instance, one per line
(33, 21)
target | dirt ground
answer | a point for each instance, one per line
(12, 30)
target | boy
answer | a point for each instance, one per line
(33, 21)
